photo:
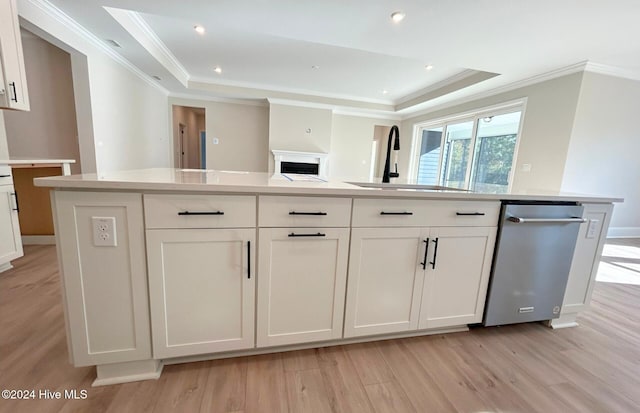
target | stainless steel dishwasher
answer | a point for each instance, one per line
(531, 262)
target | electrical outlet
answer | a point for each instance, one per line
(591, 229)
(104, 231)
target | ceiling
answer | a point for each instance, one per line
(350, 54)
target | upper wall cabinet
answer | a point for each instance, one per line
(13, 78)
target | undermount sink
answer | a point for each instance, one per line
(394, 186)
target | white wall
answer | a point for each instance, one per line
(128, 121)
(546, 129)
(604, 150)
(351, 141)
(242, 132)
(288, 129)
(48, 130)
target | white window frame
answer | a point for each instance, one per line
(494, 110)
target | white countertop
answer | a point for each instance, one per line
(195, 180)
(35, 161)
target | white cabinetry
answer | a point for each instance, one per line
(457, 276)
(10, 241)
(201, 273)
(584, 266)
(13, 78)
(416, 277)
(302, 270)
(105, 287)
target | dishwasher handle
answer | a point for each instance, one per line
(519, 220)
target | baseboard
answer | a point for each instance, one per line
(38, 240)
(623, 232)
(5, 267)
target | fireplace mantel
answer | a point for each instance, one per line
(319, 158)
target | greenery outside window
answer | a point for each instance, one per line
(474, 152)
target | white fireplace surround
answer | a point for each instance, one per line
(318, 158)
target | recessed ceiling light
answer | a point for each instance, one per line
(217, 69)
(384, 92)
(199, 29)
(315, 67)
(428, 67)
(397, 16)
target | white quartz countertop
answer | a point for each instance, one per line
(195, 180)
(33, 161)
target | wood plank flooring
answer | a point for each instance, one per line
(523, 368)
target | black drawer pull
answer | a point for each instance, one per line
(319, 234)
(4, 176)
(201, 213)
(426, 249)
(435, 254)
(396, 213)
(249, 259)
(307, 213)
(469, 213)
(15, 93)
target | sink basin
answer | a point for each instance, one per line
(393, 186)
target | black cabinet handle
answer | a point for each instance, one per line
(15, 196)
(435, 253)
(307, 213)
(4, 176)
(249, 259)
(395, 213)
(201, 213)
(426, 249)
(469, 213)
(293, 234)
(15, 93)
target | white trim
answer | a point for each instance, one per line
(337, 109)
(623, 232)
(248, 102)
(5, 267)
(273, 88)
(612, 71)
(366, 114)
(498, 107)
(435, 86)
(553, 74)
(138, 28)
(38, 240)
(79, 30)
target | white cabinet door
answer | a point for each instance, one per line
(10, 241)
(385, 280)
(201, 289)
(13, 91)
(301, 284)
(457, 276)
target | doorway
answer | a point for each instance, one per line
(188, 137)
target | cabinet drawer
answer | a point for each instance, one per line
(5, 175)
(199, 211)
(421, 213)
(289, 211)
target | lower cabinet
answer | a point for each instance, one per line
(385, 280)
(202, 290)
(301, 284)
(457, 276)
(403, 279)
(10, 241)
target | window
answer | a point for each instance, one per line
(473, 152)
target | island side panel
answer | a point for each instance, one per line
(104, 287)
(584, 266)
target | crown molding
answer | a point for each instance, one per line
(200, 98)
(138, 28)
(79, 30)
(336, 109)
(543, 77)
(612, 71)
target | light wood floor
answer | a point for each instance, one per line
(522, 368)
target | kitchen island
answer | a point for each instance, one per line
(164, 266)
